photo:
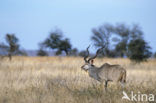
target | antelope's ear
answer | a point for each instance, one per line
(92, 61)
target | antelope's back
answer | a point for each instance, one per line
(110, 72)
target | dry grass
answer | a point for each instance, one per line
(60, 80)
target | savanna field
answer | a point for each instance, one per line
(61, 80)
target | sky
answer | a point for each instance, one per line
(32, 20)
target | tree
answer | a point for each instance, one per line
(13, 46)
(74, 52)
(41, 52)
(123, 32)
(131, 43)
(64, 46)
(101, 37)
(138, 50)
(155, 55)
(121, 49)
(83, 53)
(128, 41)
(136, 32)
(57, 42)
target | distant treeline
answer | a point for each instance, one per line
(118, 40)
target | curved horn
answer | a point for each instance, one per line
(96, 54)
(85, 58)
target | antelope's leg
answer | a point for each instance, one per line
(122, 84)
(106, 83)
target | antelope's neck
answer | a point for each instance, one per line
(93, 67)
(93, 72)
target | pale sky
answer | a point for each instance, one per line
(32, 20)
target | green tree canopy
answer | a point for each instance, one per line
(42, 52)
(138, 50)
(57, 42)
(101, 37)
(123, 31)
(128, 41)
(13, 46)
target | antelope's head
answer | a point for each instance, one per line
(89, 63)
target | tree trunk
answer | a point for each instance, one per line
(66, 52)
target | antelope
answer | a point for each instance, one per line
(104, 73)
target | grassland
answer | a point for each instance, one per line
(61, 80)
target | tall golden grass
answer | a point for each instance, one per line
(61, 80)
